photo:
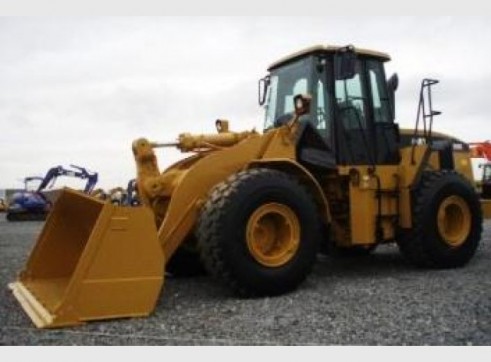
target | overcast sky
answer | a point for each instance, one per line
(79, 90)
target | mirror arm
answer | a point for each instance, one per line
(262, 97)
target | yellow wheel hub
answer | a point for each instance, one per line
(273, 234)
(454, 220)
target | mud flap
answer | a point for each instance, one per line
(92, 260)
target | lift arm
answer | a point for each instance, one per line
(79, 172)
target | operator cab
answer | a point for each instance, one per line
(351, 119)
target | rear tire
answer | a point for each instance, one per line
(447, 222)
(259, 233)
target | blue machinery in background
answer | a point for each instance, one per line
(33, 205)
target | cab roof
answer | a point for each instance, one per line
(316, 49)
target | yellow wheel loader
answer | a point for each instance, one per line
(331, 171)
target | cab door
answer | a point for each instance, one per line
(365, 130)
(385, 130)
(354, 141)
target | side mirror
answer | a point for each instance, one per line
(302, 104)
(346, 63)
(392, 85)
(263, 89)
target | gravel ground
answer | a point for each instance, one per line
(376, 300)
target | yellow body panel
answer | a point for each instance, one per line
(363, 204)
(463, 165)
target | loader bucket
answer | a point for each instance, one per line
(92, 260)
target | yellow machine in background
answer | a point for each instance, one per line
(3, 205)
(330, 171)
(119, 195)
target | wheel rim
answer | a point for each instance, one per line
(273, 234)
(454, 220)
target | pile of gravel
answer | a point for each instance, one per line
(374, 300)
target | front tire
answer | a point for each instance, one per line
(259, 232)
(447, 222)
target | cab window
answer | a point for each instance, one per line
(380, 99)
(351, 98)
